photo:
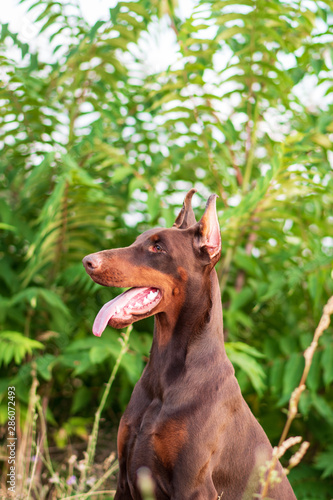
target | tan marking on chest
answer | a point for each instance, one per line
(168, 441)
(123, 433)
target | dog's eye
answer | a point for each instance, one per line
(156, 248)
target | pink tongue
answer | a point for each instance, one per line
(116, 307)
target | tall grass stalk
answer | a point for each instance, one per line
(94, 434)
(42, 419)
(33, 471)
(82, 496)
(25, 447)
(284, 443)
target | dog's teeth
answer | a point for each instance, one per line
(130, 306)
(145, 301)
(117, 310)
(137, 304)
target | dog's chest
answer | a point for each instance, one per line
(152, 443)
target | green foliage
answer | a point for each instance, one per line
(324, 462)
(243, 356)
(96, 148)
(15, 347)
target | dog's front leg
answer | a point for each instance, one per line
(123, 495)
(123, 491)
(198, 489)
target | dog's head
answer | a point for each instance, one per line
(157, 267)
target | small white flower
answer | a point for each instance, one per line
(55, 479)
(91, 481)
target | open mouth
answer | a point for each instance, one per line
(124, 309)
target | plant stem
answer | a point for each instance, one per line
(308, 356)
(196, 115)
(59, 251)
(224, 269)
(86, 495)
(42, 419)
(33, 471)
(24, 452)
(252, 144)
(93, 436)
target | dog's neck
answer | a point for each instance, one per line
(198, 331)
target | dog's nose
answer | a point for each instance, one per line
(91, 262)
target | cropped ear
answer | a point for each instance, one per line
(186, 217)
(208, 238)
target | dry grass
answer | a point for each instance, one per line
(33, 453)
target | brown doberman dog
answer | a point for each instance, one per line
(187, 420)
